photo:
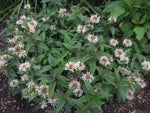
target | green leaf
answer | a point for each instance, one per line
(92, 67)
(139, 31)
(59, 71)
(97, 101)
(89, 87)
(84, 98)
(29, 45)
(117, 11)
(43, 46)
(11, 72)
(51, 59)
(45, 68)
(45, 1)
(127, 32)
(110, 79)
(77, 102)
(42, 36)
(51, 88)
(69, 92)
(87, 57)
(112, 29)
(60, 105)
(62, 78)
(67, 108)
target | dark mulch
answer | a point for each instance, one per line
(16, 104)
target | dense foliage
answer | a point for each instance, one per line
(68, 55)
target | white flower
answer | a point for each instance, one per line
(113, 42)
(12, 41)
(32, 30)
(98, 89)
(32, 24)
(52, 101)
(12, 49)
(15, 30)
(19, 22)
(43, 91)
(112, 19)
(81, 29)
(23, 17)
(2, 63)
(95, 19)
(5, 57)
(43, 104)
(24, 67)
(37, 67)
(104, 61)
(27, 6)
(24, 78)
(88, 77)
(70, 66)
(14, 83)
(130, 95)
(45, 19)
(123, 58)
(22, 54)
(53, 27)
(32, 86)
(92, 38)
(18, 37)
(62, 12)
(119, 52)
(78, 92)
(124, 71)
(146, 65)
(75, 84)
(127, 42)
(79, 66)
(141, 83)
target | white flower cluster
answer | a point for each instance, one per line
(53, 27)
(88, 77)
(127, 42)
(92, 38)
(32, 26)
(146, 65)
(77, 66)
(81, 29)
(24, 77)
(43, 91)
(95, 18)
(4, 59)
(21, 21)
(77, 91)
(27, 6)
(24, 67)
(105, 60)
(62, 12)
(122, 55)
(112, 19)
(113, 42)
(45, 19)
(130, 93)
(131, 76)
(52, 101)
(14, 83)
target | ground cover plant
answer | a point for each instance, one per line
(68, 56)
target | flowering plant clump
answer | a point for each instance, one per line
(62, 58)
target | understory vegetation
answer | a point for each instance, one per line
(77, 54)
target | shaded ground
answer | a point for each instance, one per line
(10, 104)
